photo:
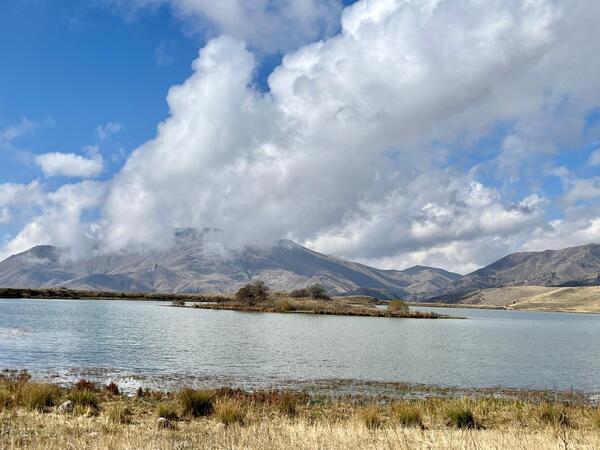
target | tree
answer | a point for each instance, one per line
(253, 292)
(318, 292)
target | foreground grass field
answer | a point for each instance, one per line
(36, 416)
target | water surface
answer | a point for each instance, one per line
(514, 349)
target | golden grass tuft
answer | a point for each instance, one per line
(371, 417)
(407, 414)
(167, 411)
(230, 412)
(120, 414)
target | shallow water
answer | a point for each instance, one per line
(131, 339)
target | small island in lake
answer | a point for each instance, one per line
(256, 297)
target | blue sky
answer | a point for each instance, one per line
(91, 78)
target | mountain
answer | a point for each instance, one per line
(574, 266)
(200, 262)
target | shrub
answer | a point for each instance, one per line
(317, 292)
(229, 412)
(37, 396)
(177, 302)
(196, 403)
(112, 389)
(120, 414)
(284, 306)
(407, 415)
(253, 292)
(167, 411)
(85, 385)
(462, 418)
(554, 415)
(299, 293)
(86, 399)
(371, 417)
(287, 404)
(397, 306)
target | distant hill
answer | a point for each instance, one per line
(574, 266)
(198, 263)
(538, 298)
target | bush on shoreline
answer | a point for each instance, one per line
(398, 306)
(195, 403)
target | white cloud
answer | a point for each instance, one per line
(357, 147)
(343, 143)
(104, 132)
(9, 133)
(70, 165)
(270, 25)
(57, 220)
(594, 158)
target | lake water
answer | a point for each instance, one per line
(151, 340)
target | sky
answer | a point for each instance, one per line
(390, 132)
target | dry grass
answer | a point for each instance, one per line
(286, 420)
(584, 299)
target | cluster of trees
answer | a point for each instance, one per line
(253, 292)
(316, 292)
(258, 291)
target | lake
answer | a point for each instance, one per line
(134, 342)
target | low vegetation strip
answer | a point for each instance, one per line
(73, 294)
(256, 297)
(44, 416)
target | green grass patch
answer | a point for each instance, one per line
(85, 399)
(37, 396)
(462, 418)
(167, 411)
(196, 403)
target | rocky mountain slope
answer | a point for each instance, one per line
(574, 266)
(199, 263)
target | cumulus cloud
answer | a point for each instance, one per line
(356, 148)
(269, 25)
(341, 153)
(70, 165)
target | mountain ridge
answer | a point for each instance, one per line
(199, 264)
(200, 261)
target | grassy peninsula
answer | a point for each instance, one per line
(84, 416)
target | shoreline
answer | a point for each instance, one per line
(330, 388)
(36, 415)
(498, 308)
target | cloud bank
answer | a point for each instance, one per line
(358, 148)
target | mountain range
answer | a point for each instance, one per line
(199, 263)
